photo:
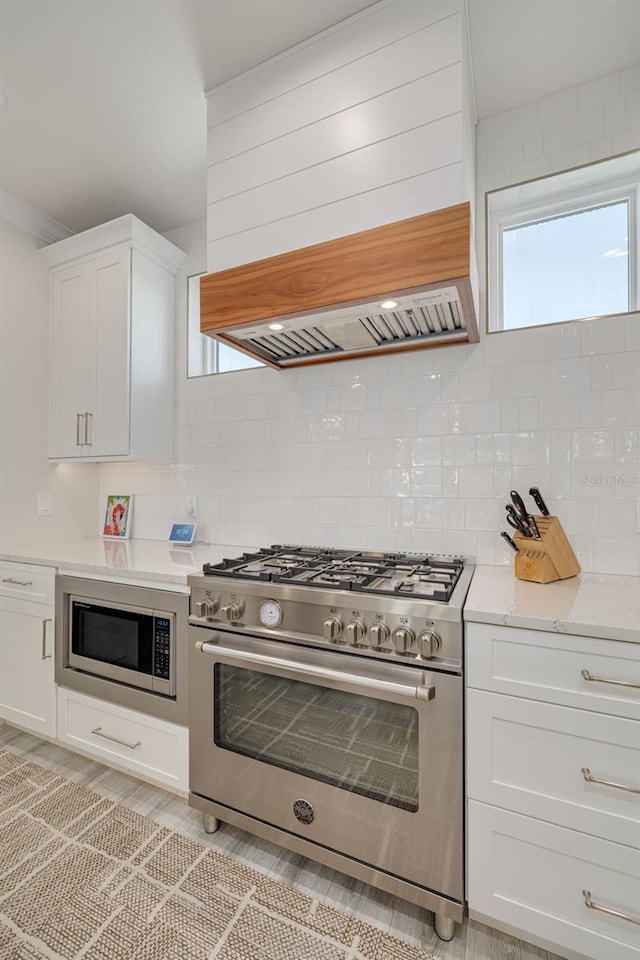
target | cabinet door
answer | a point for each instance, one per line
(27, 684)
(70, 353)
(109, 351)
(532, 878)
(531, 758)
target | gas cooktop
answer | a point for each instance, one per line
(383, 605)
(411, 575)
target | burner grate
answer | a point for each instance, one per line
(419, 575)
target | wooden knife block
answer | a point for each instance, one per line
(548, 559)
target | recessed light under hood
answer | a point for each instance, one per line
(328, 302)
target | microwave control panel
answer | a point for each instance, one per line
(161, 647)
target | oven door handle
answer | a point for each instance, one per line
(309, 672)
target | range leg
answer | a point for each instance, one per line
(210, 824)
(444, 927)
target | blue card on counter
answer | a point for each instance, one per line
(182, 533)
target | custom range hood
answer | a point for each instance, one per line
(402, 286)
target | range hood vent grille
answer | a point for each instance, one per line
(431, 319)
(326, 302)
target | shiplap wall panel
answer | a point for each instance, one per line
(356, 82)
(395, 201)
(373, 29)
(361, 127)
(436, 145)
(436, 96)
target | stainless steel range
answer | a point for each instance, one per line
(325, 712)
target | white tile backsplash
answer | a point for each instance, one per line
(277, 456)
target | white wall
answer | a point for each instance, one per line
(24, 407)
(420, 451)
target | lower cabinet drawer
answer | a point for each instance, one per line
(145, 746)
(535, 878)
(24, 581)
(571, 767)
(572, 671)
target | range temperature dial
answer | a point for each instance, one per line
(332, 628)
(378, 635)
(232, 611)
(270, 613)
(206, 607)
(403, 638)
(354, 632)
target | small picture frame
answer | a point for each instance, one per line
(182, 533)
(117, 516)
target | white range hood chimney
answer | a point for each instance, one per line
(341, 176)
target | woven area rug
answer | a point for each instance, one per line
(82, 877)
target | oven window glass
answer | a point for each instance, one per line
(120, 637)
(358, 743)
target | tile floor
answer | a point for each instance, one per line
(473, 941)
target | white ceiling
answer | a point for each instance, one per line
(101, 101)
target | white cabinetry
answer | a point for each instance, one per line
(553, 782)
(153, 749)
(27, 685)
(112, 343)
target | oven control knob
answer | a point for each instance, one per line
(332, 628)
(206, 608)
(232, 611)
(378, 634)
(355, 631)
(429, 644)
(402, 639)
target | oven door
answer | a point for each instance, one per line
(360, 756)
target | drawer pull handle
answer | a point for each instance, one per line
(592, 905)
(18, 583)
(45, 655)
(620, 683)
(588, 776)
(132, 746)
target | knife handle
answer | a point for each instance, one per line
(533, 526)
(518, 521)
(518, 503)
(540, 504)
(511, 542)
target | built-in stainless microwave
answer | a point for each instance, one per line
(130, 644)
(122, 635)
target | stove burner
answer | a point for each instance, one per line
(336, 577)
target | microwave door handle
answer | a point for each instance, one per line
(309, 673)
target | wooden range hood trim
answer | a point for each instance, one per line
(406, 255)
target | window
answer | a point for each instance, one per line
(564, 247)
(204, 354)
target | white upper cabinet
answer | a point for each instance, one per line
(112, 338)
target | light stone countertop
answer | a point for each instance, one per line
(589, 605)
(131, 561)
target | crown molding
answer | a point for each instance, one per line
(126, 229)
(29, 218)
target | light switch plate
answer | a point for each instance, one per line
(45, 505)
